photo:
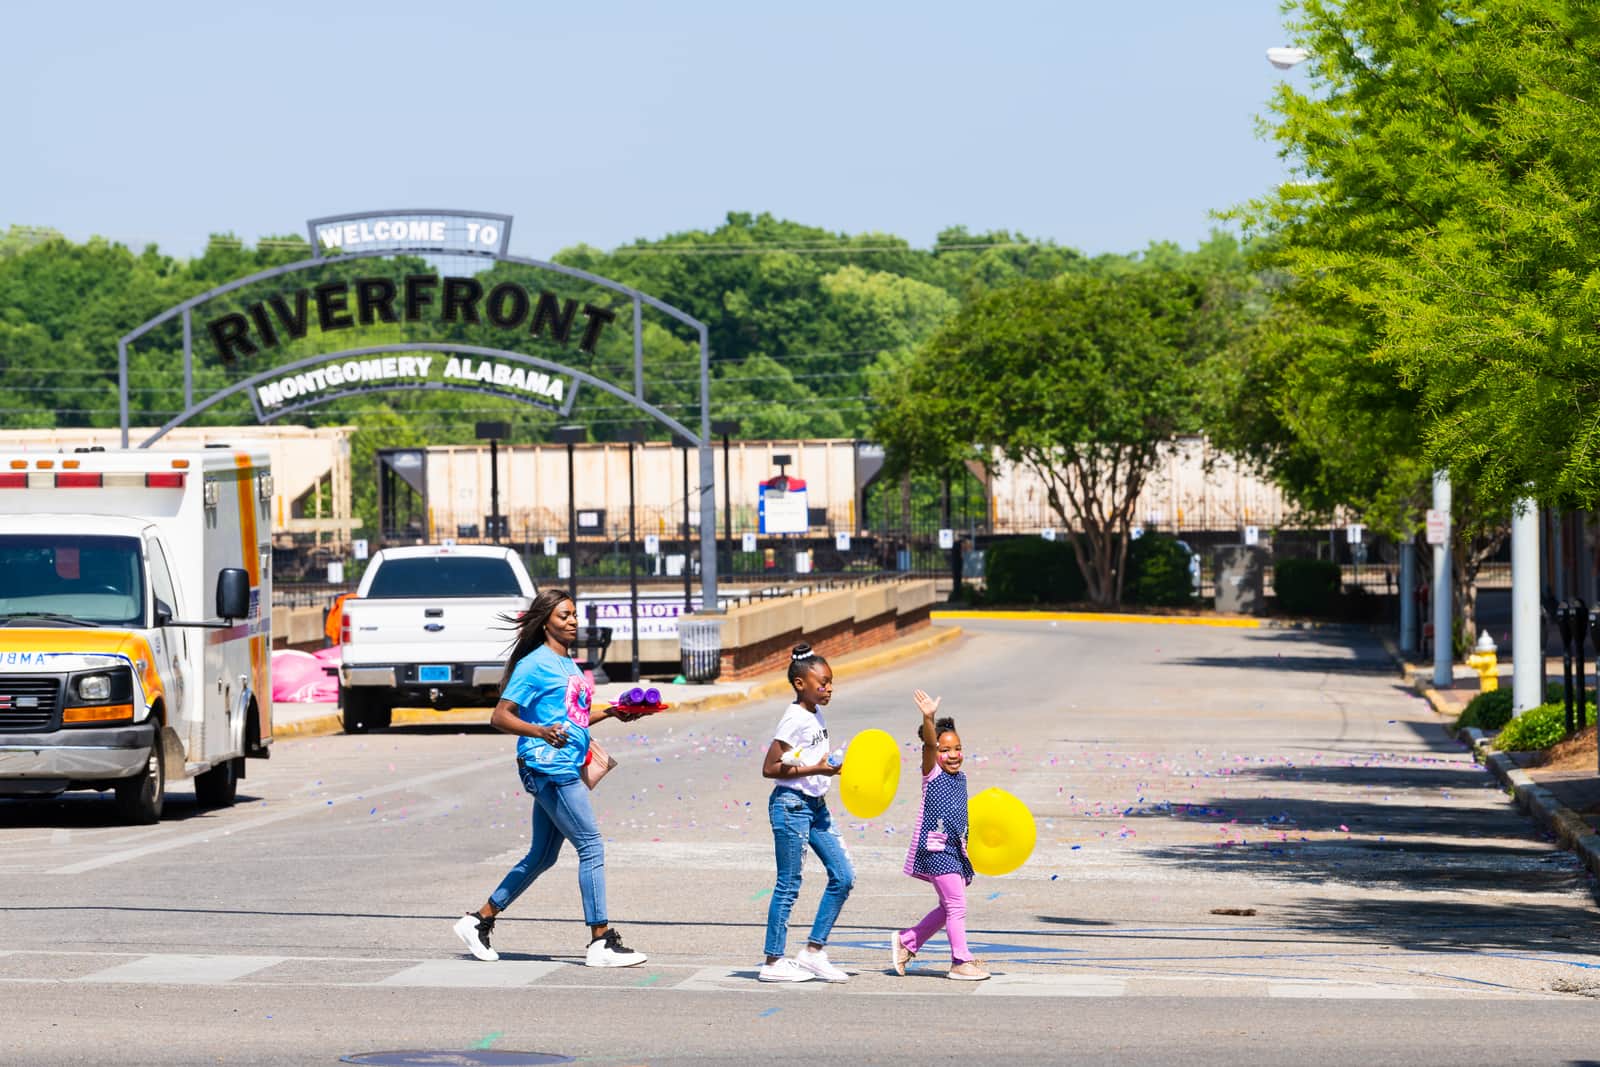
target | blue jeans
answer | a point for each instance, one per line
(796, 820)
(561, 811)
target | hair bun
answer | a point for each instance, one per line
(801, 651)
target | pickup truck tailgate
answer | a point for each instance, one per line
(413, 631)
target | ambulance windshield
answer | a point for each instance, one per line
(67, 580)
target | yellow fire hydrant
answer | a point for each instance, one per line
(1485, 661)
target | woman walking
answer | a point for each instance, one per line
(546, 702)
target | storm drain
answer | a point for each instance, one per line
(453, 1058)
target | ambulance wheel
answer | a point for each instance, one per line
(218, 787)
(140, 798)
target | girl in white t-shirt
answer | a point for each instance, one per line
(798, 760)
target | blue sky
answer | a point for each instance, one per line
(1102, 126)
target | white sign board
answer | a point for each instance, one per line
(802, 562)
(550, 546)
(783, 510)
(564, 568)
(658, 615)
(747, 542)
(1048, 534)
(1252, 535)
(841, 542)
(1438, 526)
(336, 571)
(358, 548)
(1136, 532)
(652, 545)
(1352, 533)
(947, 539)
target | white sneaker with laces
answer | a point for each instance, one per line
(783, 970)
(474, 931)
(816, 961)
(609, 951)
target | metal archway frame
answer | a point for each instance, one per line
(639, 300)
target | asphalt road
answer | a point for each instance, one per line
(1253, 846)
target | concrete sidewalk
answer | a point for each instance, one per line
(314, 720)
(1565, 802)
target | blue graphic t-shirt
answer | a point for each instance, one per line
(549, 688)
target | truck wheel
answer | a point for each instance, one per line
(141, 797)
(218, 787)
(362, 711)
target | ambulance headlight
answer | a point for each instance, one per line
(94, 688)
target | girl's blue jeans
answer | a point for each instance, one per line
(561, 811)
(798, 820)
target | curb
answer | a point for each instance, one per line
(1105, 616)
(330, 723)
(1566, 825)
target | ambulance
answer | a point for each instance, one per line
(135, 622)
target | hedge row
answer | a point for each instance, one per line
(1031, 570)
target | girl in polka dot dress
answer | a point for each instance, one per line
(938, 852)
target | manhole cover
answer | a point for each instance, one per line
(449, 1058)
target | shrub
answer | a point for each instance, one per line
(1536, 728)
(1307, 586)
(1031, 570)
(1158, 572)
(1487, 711)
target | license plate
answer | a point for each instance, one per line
(433, 674)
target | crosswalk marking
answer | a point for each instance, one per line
(183, 970)
(473, 973)
(1052, 985)
(1336, 991)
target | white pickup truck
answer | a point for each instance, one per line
(427, 628)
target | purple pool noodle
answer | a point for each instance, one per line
(633, 696)
(652, 696)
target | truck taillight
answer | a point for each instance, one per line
(14, 480)
(344, 627)
(78, 480)
(172, 480)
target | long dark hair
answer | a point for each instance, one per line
(530, 625)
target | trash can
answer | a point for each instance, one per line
(1240, 579)
(700, 648)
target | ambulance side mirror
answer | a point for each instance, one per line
(233, 593)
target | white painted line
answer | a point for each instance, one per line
(183, 970)
(182, 840)
(505, 974)
(1052, 985)
(1333, 991)
(722, 979)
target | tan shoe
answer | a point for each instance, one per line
(899, 954)
(970, 971)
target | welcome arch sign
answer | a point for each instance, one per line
(427, 301)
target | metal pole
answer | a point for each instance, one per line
(1580, 632)
(1408, 602)
(708, 486)
(633, 567)
(688, 592)
(572, 526)
(494, 488)
(1527, 655)
(727, 498)
(1443, 607)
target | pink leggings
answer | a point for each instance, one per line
(950, 914)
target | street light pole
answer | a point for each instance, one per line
(570, 436)
(633, 435)
(725, 427)
(688, 592)
(494, 431)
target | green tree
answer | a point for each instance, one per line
(1081, 379)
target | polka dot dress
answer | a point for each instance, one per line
(944, 800)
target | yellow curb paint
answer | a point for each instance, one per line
(1101, 616)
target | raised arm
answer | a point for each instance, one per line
(929, 706)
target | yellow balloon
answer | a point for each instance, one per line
(1000, 832)
(870, 775)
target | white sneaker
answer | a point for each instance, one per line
(474, 931)
(784, 970)
(609, 951)
(816, 961)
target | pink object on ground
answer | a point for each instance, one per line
(298, 677)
